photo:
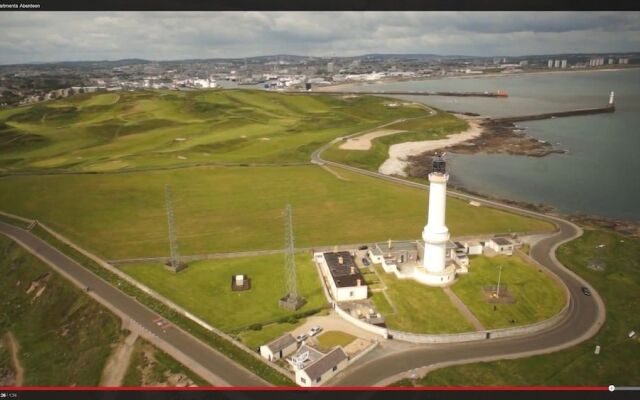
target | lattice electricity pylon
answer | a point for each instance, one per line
(291, 300)
(289, 254)
(173, 244)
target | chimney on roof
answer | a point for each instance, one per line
(353, 270)
(340, 260)
(358, 282)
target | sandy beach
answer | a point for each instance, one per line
(364, 142)
(398, 153)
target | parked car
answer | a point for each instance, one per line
(300, 338)
(363, 247)
(365, 262)
(314, 330)
(586, 291)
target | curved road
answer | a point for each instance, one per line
(585, 316)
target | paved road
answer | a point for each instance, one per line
(584, 318)
(214, 362)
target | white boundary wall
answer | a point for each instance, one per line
(360, 324)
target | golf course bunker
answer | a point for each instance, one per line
(364, 142)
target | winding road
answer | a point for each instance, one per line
(585, 316)
(388, 362)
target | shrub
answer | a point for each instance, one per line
(255, 327)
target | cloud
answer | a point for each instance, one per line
(41, 36)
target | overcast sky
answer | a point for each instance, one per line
(73, 36)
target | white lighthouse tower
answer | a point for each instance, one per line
(436, 234)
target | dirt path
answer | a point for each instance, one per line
(12, 346)
(118, 363)
(464, 309)
(398, 153)
(334, 173)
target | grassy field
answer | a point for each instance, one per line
(150, 366)
(103, 132)
(64, 336)
(427, 128)
(537, 295)
(210, 338)
(205, 289)
(330, 339)
(419, 308)
(619, 360)
(256, 338)
(223, 209)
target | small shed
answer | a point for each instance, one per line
(473, 248)
(279, 348)
(240, 282)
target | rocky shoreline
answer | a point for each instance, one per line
(500, 137)
(621, 226)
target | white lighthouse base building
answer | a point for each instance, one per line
(433, 260)
(403, 259)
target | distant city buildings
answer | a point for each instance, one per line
(31, 83)
(330, 67)
(557, 63)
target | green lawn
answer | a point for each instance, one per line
(204, 288)
(619, 360)
(330, 339)
(426, 128)
(64, 336)
(381, 303)
(420, 309)
(126, 130)
(223, 209)
(537, 295)
(256, 338)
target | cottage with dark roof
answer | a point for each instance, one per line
(318, 372)
(342, 275)
(279, 348)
